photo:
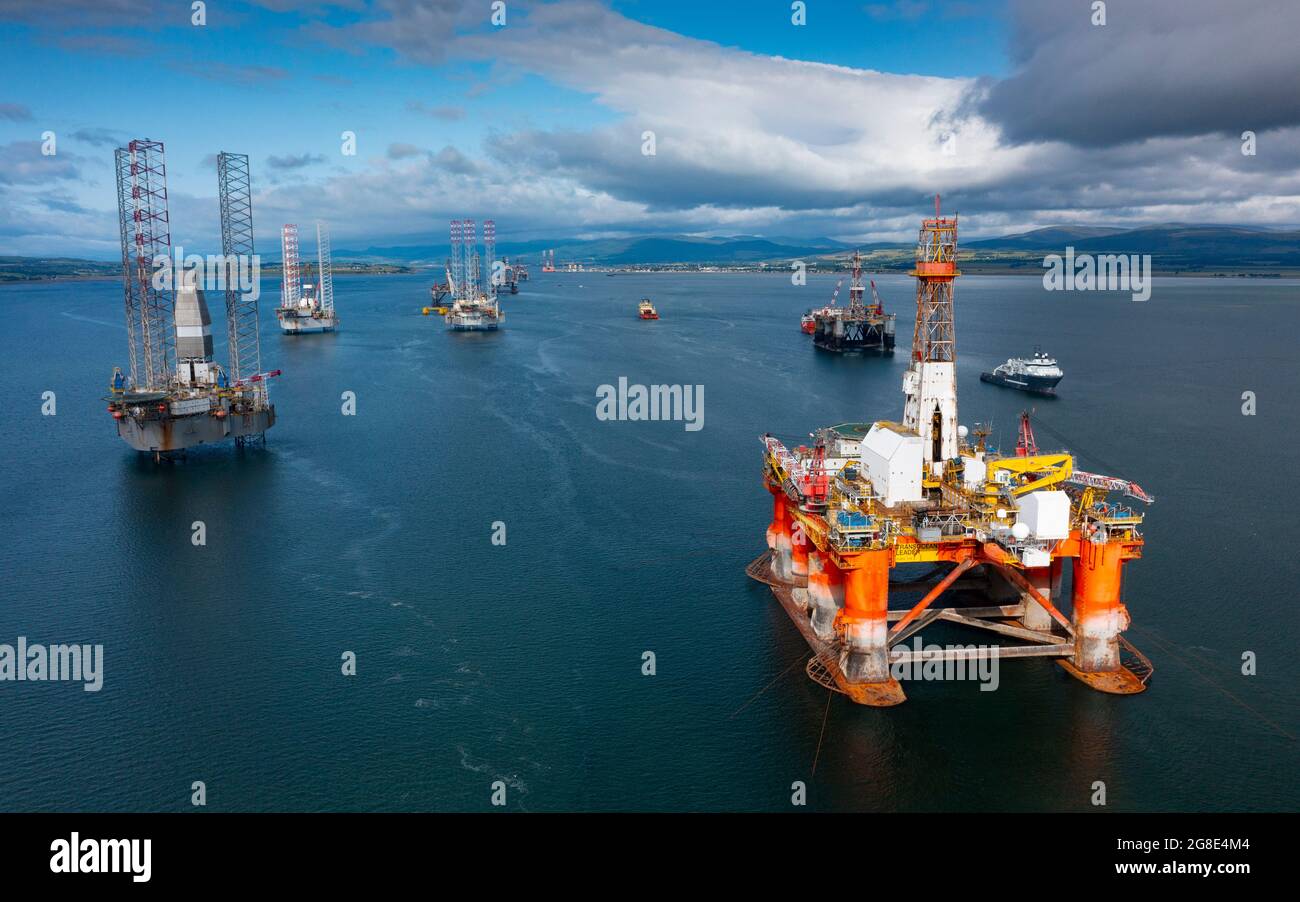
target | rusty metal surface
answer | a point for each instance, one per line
(1112, 682)
(760, 569)
(876, 695)
(824, 668)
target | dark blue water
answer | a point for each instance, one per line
(476, 663)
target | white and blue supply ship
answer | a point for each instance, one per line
(1038, 374)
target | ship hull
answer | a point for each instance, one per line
(307, 325)
(868, 338)
(1036, 385)
(166, 434)
(474, 327)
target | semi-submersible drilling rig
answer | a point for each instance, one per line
(867, 497)
(175, 395)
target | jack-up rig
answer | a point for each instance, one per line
(472, 286)
(306, 307)
(177, 396)
(858, 327)
(869, 496)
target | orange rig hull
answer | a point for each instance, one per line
(840, 603)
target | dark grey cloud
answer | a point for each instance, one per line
(445, 113)
(294, 161)
(61, 202)
(1156, 68)
(88, 13)
(246, 76)
(402, 151)
(22, 163)
(15, 112)
(419, 29)
(610, 160)
(98, 42)
(452, 160)
(100, 137)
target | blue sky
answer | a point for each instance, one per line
(1022, 110)
(950, 39)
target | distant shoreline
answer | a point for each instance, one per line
(25, 279)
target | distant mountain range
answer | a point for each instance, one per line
(1174, 247)
(649, 250)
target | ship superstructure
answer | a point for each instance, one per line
(472, 285)
(867, 497)
(511, 275)
(306, 307)
(860, 326)
(175, 395)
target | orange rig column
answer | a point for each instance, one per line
(864, 619)
(778, 539)
(799, 548)
(1099, 615)
(825, 592)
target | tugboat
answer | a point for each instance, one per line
(808, 323)
(647, 310)
(1038, 374)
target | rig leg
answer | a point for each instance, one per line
(866, 602)
(1036, 616)
(1099, 615)
(799, 548)
(825, 592)
(799, 553)
(778, 539)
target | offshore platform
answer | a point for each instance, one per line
(306, 307)
(867, 497)
(857, 327)
(176, 396)
(471, 285)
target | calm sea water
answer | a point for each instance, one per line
(476, 663)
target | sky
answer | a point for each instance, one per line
(1020, 113)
